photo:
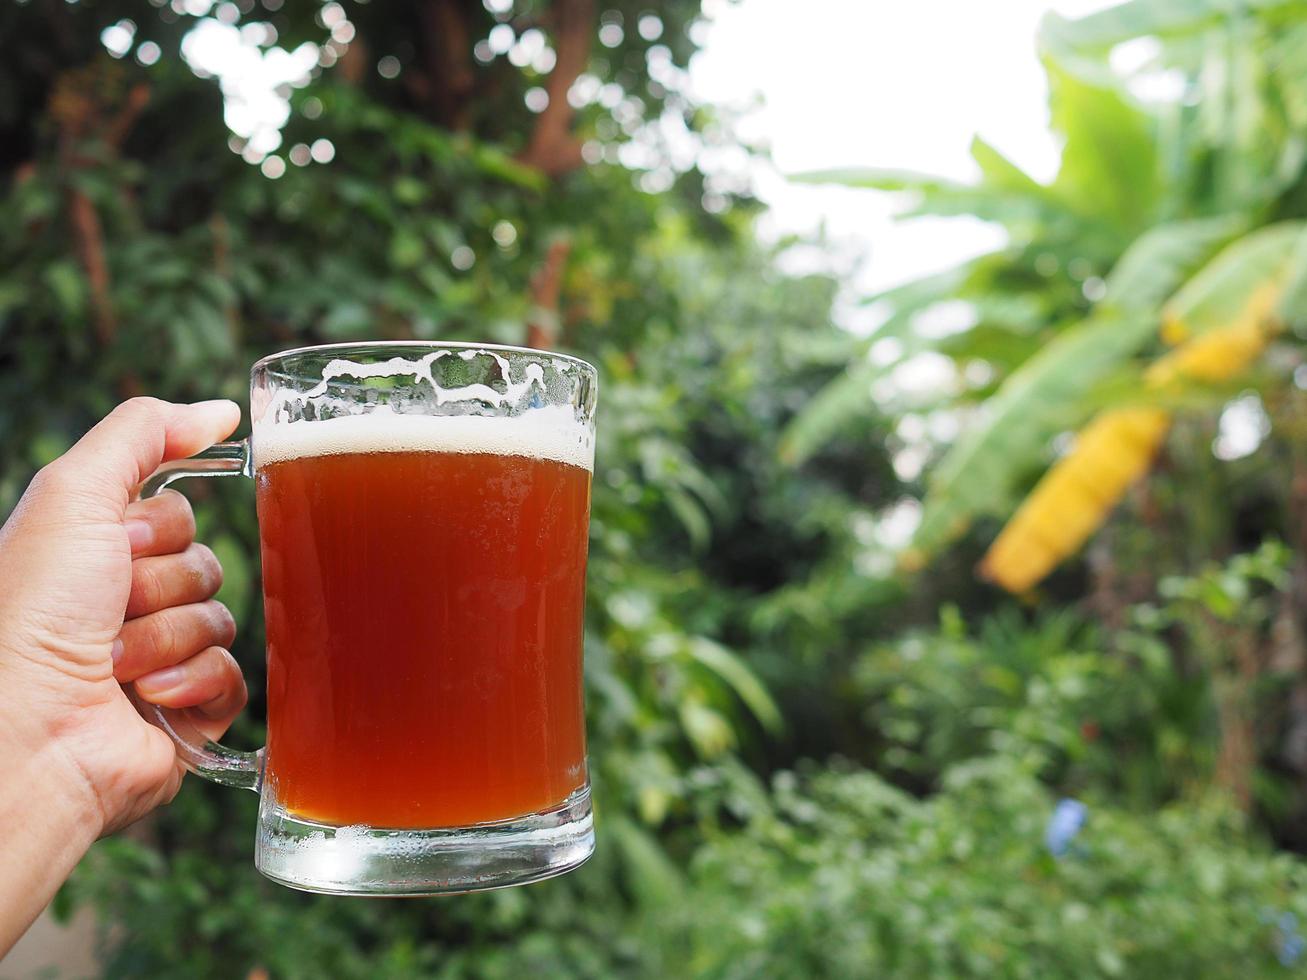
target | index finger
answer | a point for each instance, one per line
(132, 440)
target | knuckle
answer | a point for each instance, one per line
(142, 407)
(206, 565)
(164, 637)
(237, 694)
(224, 623)
(174, 784)
(52, 478)
(147, 589)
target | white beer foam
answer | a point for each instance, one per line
(551, 432)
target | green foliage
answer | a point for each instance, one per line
(1159, 260)
(802, 767)
(1109, 169)
(1219, 293)
(830, 874)
(1052, 695)
(843, 875)
(1034, 403)
(1123, 238)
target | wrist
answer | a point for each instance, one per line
(42, 772)
(50, 822)
(66, 791)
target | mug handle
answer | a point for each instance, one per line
(199, 754)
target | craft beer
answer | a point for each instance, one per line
(424, 585)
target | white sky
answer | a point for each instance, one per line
(902, 84)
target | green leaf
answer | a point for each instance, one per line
(1219, 293)
(496, 163)
(826, 413)
(920, 293)
(68, 288)
(406, 249)
(1038, 400)
(408, 190)
(873, 178)
(1158, 260)
(1293, 303)
(691, 516)
(998, 171)
(709, 732)
(1167, 18)
(656, 879)
(1109, 161)
(1017, 210)
(736, 673)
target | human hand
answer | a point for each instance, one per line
(97, 591)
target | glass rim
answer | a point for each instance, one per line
(266, 362)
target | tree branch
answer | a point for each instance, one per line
(546, 287)
(552, 148)
(82, 111)
(448, 48)
(123, 121)
(88, 237)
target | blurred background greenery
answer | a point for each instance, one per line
(999, 676)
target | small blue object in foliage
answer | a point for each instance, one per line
(1290, 950)
(1289, 945)
(1068, 818)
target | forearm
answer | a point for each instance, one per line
(46, 830)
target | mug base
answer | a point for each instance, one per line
(362, 860)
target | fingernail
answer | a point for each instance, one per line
(139, 534)
(116, 651)
(212, 402)
(161, 681)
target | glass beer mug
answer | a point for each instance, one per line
(423, 518)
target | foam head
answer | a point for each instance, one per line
(551, 432)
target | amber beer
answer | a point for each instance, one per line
(424, 581)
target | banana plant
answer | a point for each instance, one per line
(1164, 227)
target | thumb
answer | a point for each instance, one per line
(131, 441)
